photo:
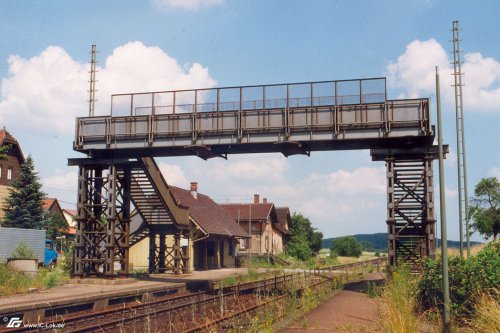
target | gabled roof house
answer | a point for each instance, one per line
(260, 219)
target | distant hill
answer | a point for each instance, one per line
(378, 242)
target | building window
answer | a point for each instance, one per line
(0, 171)
(244, 243)
(9, 173)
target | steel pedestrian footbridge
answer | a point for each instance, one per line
(119, 174)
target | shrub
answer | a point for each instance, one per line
(347, 246)
(67, 261)
(468, 277)
(299, 248)
(23, 251)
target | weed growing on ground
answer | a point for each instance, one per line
(12, 282)
(397, 306)
(486, 318)
(373, 289)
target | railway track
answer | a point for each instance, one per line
(187, 310)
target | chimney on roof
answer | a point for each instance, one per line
(194, 189)
(255, 198)
(264, 200)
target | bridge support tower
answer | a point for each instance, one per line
(103, 220)
(410, 205)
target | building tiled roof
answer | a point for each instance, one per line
(245, 212)
(7, 139)
(282, 229)
(207, 214)
(71, 231)
(283, 214)
(72, 212)
(48, 202)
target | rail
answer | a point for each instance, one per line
(115, 317)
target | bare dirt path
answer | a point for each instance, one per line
(351, 310)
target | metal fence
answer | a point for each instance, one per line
(245, 98)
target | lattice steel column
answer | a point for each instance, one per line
(430, 224)
(118, 221)
(177, 253)
(103, 221)
(90, 229)
(162, 255)
(152, 251)
(391, 232)
(187, 255)
(410, 210)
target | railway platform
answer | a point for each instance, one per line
(97, 294)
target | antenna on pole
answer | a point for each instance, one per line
(92, 81)
(463, 205)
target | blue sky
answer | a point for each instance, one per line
(171, 44)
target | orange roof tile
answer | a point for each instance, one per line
(48, 202)
(258, 211)
(210, 216)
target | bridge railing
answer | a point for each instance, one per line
(369, 121)
(262, 97)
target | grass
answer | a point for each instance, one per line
(12, 282)
(398, 304)
(487, 315)
(455, 251)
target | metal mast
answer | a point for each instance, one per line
(92, 81)
(463, 206)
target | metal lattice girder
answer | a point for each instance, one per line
(410, 210)
(90, 231)
(118, 220)
(164, 258)
(103, 221)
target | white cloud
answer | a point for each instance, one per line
(63, 186)
(494, 172)
(363, 180)
(187, 4)
(173, 175)
(482, 79)
(349, 200)
(414, 70)
(49, 90)
(135, 67)
(46, 91)
(61, 181)
(414, 74)
(250, 169)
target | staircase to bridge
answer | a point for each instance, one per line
(291, 119)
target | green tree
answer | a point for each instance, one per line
(346, 246)
(25, 200)
(485, 208)
(298, 247)
(3, 152)
(304, 238)
(55, 225)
